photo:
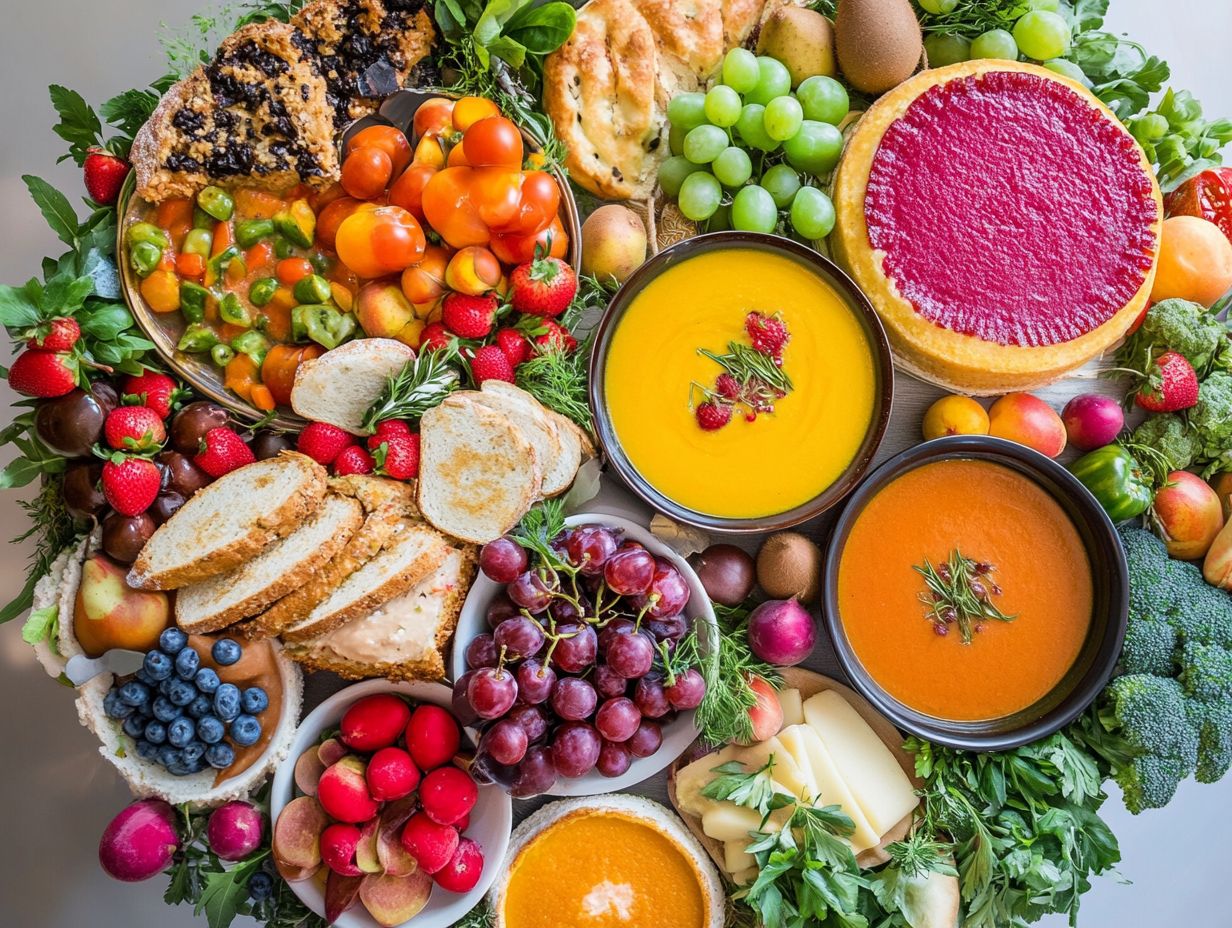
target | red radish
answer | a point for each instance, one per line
(235, 830)
(767, 713)
(781, 632)
(431, 844)
(432, 736)
(139, 842)
(338, 844)
(391, 774)
(374, 722)
(343, 791)
(1092, 420)
(448, 794)
(463, 870)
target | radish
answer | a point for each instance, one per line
(1092, 420)
(235, 830)
(781, 632)
(139, 842)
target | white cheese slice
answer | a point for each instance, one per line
(792, 743)
(726, 821)
(793, 707)
(785, 772)
(736, 858)
(692, 779)
(745, 877)
(833, 791)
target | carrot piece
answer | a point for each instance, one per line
(259, 255)
(224, 238)
(261, 397)
(190, 264)
(173, 211)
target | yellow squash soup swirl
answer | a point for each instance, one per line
(745, 469)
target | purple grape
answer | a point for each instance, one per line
(535, 775)
(574, 699)
(564, 611)
(533, 719)
(589, 548)
(535, 682)
(614, 759)
(688, 690)
(609, 683)
(617, 719)
(651, 698)
(631, 656)
(668, 628)
(646, 740)
(501, 608)
(491, 692)
(486, 770)
(531, 591)
(505, 742)
(668, 593)
(502, 560)
(629, 571)
(461, 704)
(577, 648)
(613, 630)
(520, 637)
(482, 652)
(575, 749)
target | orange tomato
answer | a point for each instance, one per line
(261, 397)
(389, 140)
(319, 199)
(451, 212)
(259, 255)
(190, 264)
(497, 195)
(493, 142)
(469, 110)
(279, 367)
(407, 190)
(457, 157)
(381, 241)
(537, 207)
(425, 282)
(331, 218)
(366, 173)
(434, 117)
(519, 249)
(292, 270)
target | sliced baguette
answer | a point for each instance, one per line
(415, 551)
(230, 521)
(341, 385)
(566, 457)
(477, 471)
(284, 566)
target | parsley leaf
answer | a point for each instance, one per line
(79, 124)
(130, 110)
(55, 208)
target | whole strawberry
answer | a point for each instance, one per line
(767, 333)
(353, 460)
(222, 451)
(323, 442)
(490, 363)
(555, 336)
(58, 334)
(134, 428)
(104, 176)
(469, 316)
(397, 456)
(158, 391)
(130, 484)
(712, 416)
(543, 287)
(513, 345)
(389, 428)
(1171, 385)
(434, 337)
(43, 373)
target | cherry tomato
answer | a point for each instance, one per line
(449, 209)
(469, 110)
(434, 117)
(497, 194)
(366, 173)
(537, 207)
(493, 142)
(407, 190)
(518, 249)
(290, 271)
(1208, 195)
(424, 283)
(457, 157)
(380, 241)
(317, 199)
(331, 218)
(388, 139)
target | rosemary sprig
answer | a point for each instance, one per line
(52, 528)
(960, 591)
(745, 363)
(420, 385)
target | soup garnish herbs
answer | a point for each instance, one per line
(960, 592)
(752, 376)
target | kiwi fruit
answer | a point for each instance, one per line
(789, 564)
(878, 42)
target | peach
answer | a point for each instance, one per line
(432, 736)
(297, 834)
(1028, 420)
(473, 270)
(767, 713)
(1195, 261)
(365, 849)
(1187, 514)
(424, 283)
(430, 843)
(412, 333)
(448, 794)
(1222, 485)
(340, 894)
(955, 415)
(374, 722)
(331, 751)
(308, 770)
(613, 243)
(382, 309)
(395, 859)
(343, 792)
(395, 900)
(338, 846)
(391, 774)
(108, 613)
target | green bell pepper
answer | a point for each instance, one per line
(231, 310)
(312, 289)
(324, 325)
(198, 242)
(192, 300)
(253, 344)
(196, 338)
(250, 231)
(147, 232)
(222, 355)
(262, 291)
(1117, 480)
(144, 257)
(216, 202)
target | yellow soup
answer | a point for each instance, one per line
(745, 469)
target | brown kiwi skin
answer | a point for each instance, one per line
(789, 564)
(878, 42)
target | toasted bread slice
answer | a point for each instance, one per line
(285, 565)
(404, 639)
(230, 521)
(558, 470)
(529, 415)
(343, 383)
(414, 551)
(477, 471)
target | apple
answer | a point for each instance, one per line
(1189, 515)
(108, 613)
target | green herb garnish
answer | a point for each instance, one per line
(960, 591)
(420, 385)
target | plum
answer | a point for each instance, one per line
(139, 842)
(393, 900)
(1092, 420)
(235, 830)
(340, 894)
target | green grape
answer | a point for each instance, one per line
(732, 167)
(740, 70)
(782, 183)
(774, 81)
(687, 110)
(936, 7)
(703, 144)
(699, 196)
(824, 99)
(753, 210)
(783, 117)
(1067, 68)
(1042, 34)
(675, 139)
(752, 127)
(946, 49)
(995, 43)
(720, 221)
(815, 148)
(722, 106)
(672, 173)
(812, 214)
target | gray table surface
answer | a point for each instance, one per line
(58, 794)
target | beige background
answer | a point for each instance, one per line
(56, 794)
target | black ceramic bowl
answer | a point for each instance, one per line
(1109, 574)
(823, 268)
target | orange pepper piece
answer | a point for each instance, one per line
(261, 397)
(161, 291)
(173, 211)
(224, 238)
(259, 255)
(190, 264)
(257, 204)
(278, 321)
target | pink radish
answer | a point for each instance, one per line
(139, 842)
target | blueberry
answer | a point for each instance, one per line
(172, 640)
(181, 731)
(167, 755)
(165, 710)
(164, 686)
(260, 886)
(134, 694)
(210, 729)
(186, 663)
(145, 677)
(219, 756)
(146, 750)
(181, 692)
(194, 751)
(157, 666)
(134, 725)
(207, 680)
(200, 707)
(227, 701)
(155, 732)
(114, 707)
(226, 652)
(245, 731)
(255, 701)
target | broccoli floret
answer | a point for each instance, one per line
(1181, 326)
(1206, 616)
(1149, 647)
(1150, 714)
(1168, 434)
(1206, 671)
(1211, 421)
(1214, 741)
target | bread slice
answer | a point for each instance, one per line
(230, 521)
(414, 551)
(477, 471)
(285, 565)
(529, 416)
(558, 470)
(341, 385)
(404, 639)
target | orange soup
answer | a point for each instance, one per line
(998, 517)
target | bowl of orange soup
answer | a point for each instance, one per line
(740, 382)
(976, 593)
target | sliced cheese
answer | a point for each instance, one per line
(785, 772)
(793, 744)
(726, 821)
(692, 779)
(745, 877)
(880, 787)
(793, 707)
(736, 858)
(833, 791)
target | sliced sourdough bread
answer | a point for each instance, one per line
(284, 566)
(527, 415)
(230, 522)
(565, 449)
(414, 551)
(343, 383)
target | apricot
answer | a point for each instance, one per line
(955, 415)
(424, 283)
(395, 900)
(473, 270)
(382, 309)
(1188, 514)
(1028, 420)
(613, 243)
(296, 841)
(1195, 261)
(108, 613)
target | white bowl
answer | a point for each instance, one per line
(678, 735)
(491, 819)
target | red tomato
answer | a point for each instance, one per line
(538, 206)
(497, 194)
(433, 117)
(366, 173)
(331, 218)
(518, 249)
(493, 142)
(389, 140)
(1208, 195)
(469, 110)
(451, 212)
(407, 190)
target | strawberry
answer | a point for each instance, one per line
(1171, 385)
(434, 337)
(222, 451)
(323, 442)
(43, 373)
(104, 176)
(130, 484)
(388, 429)
(158, 391)
(490, 363)
(58, 334)
(398, 456)
(353, 460)
(728, 387)
(767, 333)
(513, 345)
(556, 336)
(468, 316)
(712, 416)
(543, 287)
(134, 428)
